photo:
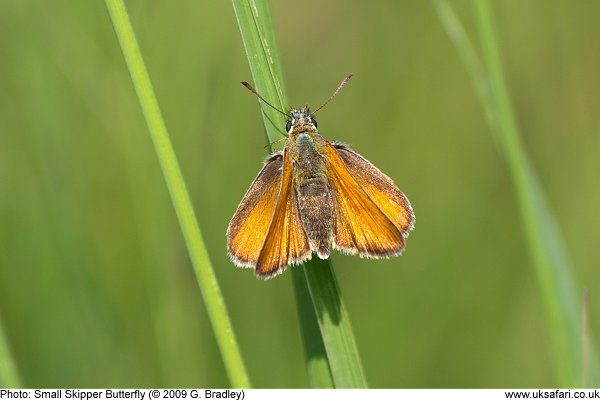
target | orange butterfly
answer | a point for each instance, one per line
(313, 195)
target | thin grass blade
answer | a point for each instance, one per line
(9, 377)
(205, 275)
(556, 278)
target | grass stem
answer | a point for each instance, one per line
(205, 275)
(555, 275)
(9, 377)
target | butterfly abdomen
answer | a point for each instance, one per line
(313, 192)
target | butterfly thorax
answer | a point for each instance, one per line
(313, 191)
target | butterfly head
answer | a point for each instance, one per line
(300, 118)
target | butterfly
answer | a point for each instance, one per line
(312, 196)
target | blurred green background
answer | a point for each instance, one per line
(96, 288)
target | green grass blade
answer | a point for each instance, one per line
(556, 279)
(9, 378)
(263, 57)
(317, 365)
(205, 275)
(334, 322)
(337, 345)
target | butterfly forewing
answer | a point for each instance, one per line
(361, 227)
(380, 188)
(286, 242)
(249, 225)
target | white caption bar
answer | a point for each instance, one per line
(304, 394)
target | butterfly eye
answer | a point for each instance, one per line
(314, 121)
(288, 126)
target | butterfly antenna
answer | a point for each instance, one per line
(250, 88)
(334, 93)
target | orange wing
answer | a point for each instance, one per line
(250, 223)
(361, 226)
(380, 188)
(286, 242)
